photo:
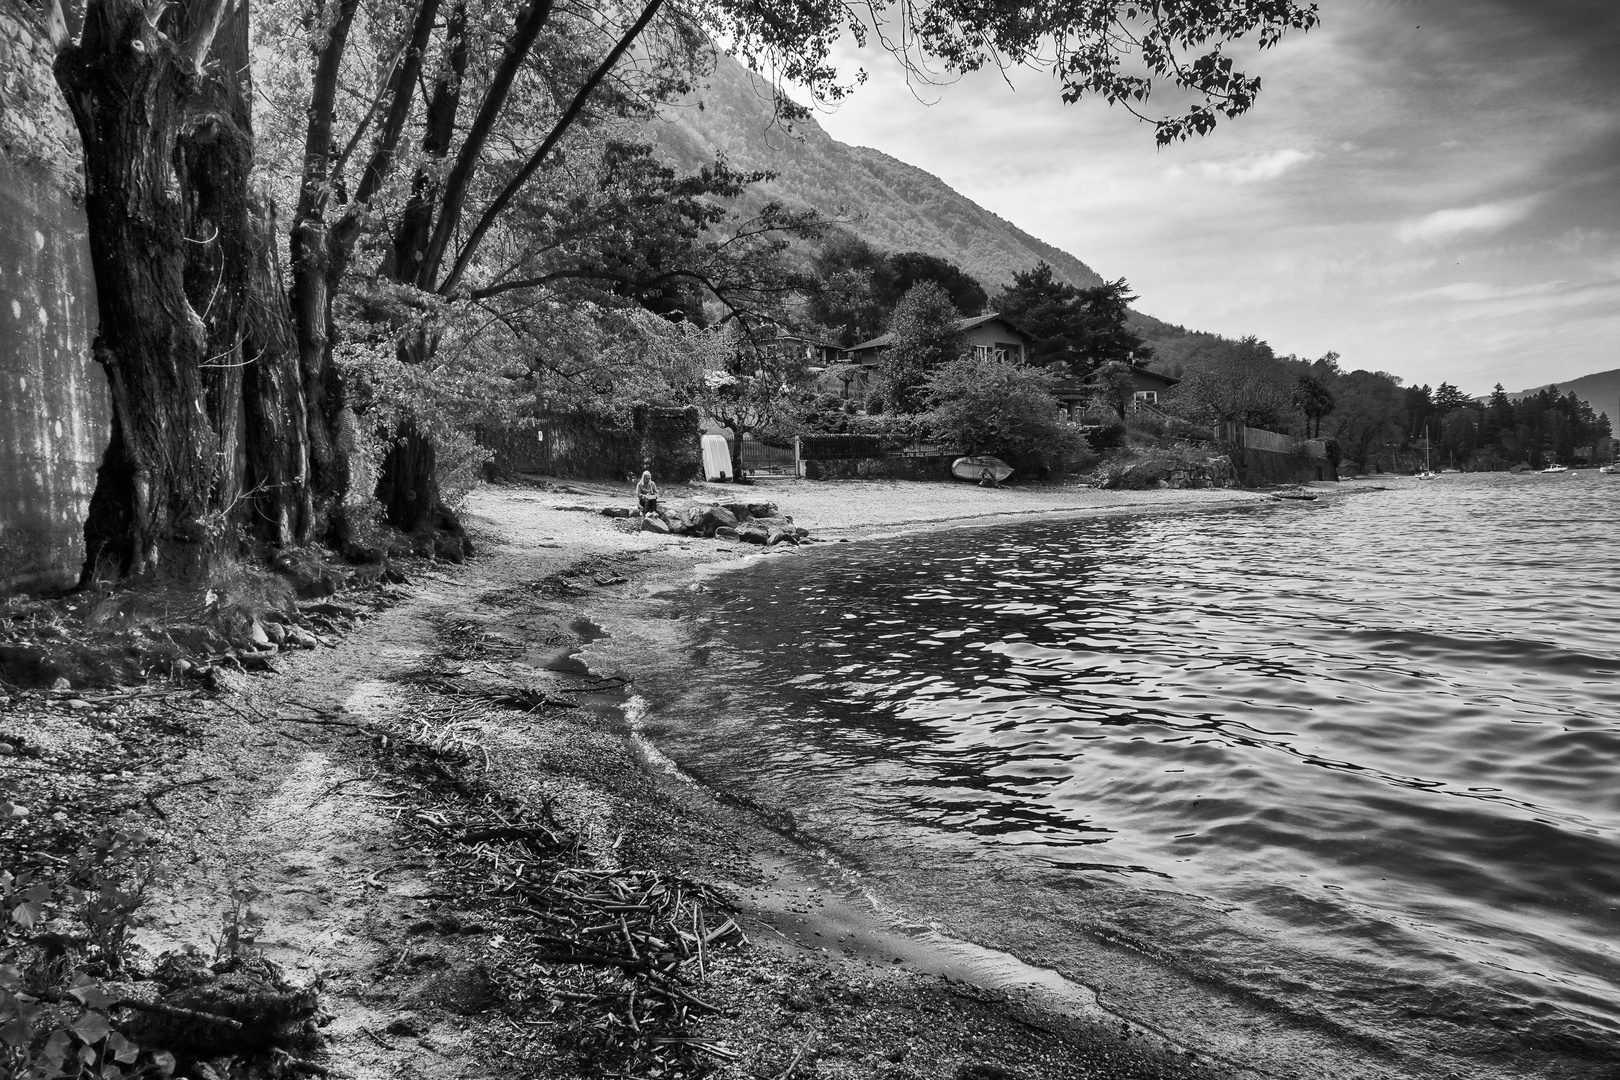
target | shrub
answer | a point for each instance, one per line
(984, 404)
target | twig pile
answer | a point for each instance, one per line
(611, 955)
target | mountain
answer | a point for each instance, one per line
(889, 204)
(1600, 390)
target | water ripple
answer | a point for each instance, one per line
(1380, 736)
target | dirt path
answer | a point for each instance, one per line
(390, 817)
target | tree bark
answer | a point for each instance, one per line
(128, 87)
(208, 448)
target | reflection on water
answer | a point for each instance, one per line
(1359, 755)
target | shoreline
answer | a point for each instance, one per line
(296, 787)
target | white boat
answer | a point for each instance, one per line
(1556, 469)
(1610, 470)
(981, 468)
(1427, 473)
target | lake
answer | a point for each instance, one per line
(1353, 760)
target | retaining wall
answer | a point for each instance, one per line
(583, 447)
(55, 417)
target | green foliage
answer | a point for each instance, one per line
(1075, 331)
(857, 287)
(1242, 382)
(1313, 398)
(985, 404)
(56, 1013)
(1115, 386)
(926, 339)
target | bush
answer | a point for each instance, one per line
(1001, 407)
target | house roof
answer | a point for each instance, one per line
(885, 340)
(1140, 372)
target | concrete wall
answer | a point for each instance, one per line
(54, 413)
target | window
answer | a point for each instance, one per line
(981, 352)
(1149, 396)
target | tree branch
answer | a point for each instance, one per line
(454, 192)
(559, 129)
(202, 35)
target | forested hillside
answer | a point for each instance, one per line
(889, 204)
(1601, 390)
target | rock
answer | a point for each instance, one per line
(780, 536)
(654, 524)
(258, 635)
(717, 517)
(752, 534)
(685, 521)
(616, 511)
(275, 632)
(61, 683)
(78, 704)
(7, 750)
(726, 534)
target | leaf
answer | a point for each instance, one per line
(39, 894)
(10, 978)
(164, 1063)
(18, 1032)
(121, 1048)
(57, 1047)
(25, 915)
(92, 1027)
(90, 993)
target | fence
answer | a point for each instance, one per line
(764, 457)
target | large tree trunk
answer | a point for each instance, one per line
(128, 88)
(208, 445)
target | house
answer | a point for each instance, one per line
(1076, 394)
(987, 335)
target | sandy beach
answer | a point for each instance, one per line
(294, 788)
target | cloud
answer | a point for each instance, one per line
(1484, 218)
(1250, 170)
(1477, 291)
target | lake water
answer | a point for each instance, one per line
(1353, 760)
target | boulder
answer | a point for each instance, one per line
(654, 524)
(717, 517)
(780, 536)
(753, 534)
(617, 511)
(683, 521)
(726, 534)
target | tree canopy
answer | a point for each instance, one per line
(1075, 331)
(857, 287)
(926, 339)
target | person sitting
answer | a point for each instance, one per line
(647, 494)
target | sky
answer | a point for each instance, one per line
(1427, 187)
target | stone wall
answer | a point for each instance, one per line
(54, 412)
(891, 467)
(581, 447)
